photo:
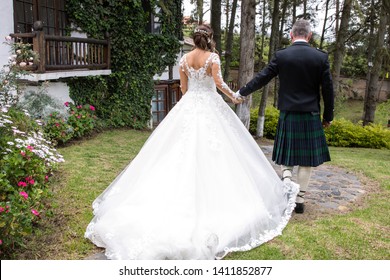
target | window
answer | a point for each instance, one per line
(154, 24)
(50, 12)
(164, 99)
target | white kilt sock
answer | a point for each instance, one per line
(303, 177)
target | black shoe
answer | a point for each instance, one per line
(299, 208)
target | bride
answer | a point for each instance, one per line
(200, 187)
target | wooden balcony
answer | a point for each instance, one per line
(59, 53)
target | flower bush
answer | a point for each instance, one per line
(80, 121)
(81, 118)
(27, 159)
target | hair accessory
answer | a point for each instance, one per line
(197, 30)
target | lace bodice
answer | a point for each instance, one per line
(201, 79)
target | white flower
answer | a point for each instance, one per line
(31, 59)
(18, 51)
(8, 38)
(10, 143)
(22, 64)
(30, 63)
(13, 62)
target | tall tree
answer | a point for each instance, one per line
(342, 35)
(216, 23)
(198, 10)
(247, 53)
(324, 25)
(370, 104)
(272, 48)
(370, 53)
(229, 41)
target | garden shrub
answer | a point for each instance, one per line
(27, 159)
(270, 123)
(344, 133)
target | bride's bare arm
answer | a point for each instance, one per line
(219, 82)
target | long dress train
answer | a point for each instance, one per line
(199, 188)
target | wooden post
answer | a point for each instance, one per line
(107, 50)
(39, 46)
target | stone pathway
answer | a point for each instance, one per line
(331, 189)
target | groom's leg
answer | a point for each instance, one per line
(303, 177)
(287, 173)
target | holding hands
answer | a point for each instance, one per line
(237, 98)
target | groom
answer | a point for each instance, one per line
(303, 73)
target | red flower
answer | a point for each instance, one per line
(22, 184)
(1, 209)
(30, 148)
(23, 153)
(92, 108)
(35, 212)
(24, 194)
(66, 104)
(57, 124)
(79, 107)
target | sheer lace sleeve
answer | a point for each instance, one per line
(183, 75)
(217, 76)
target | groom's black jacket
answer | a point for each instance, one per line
(302, 71)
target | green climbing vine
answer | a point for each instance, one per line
(123, 98)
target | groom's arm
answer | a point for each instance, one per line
(261, 79)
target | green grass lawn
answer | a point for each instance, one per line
(91, 165)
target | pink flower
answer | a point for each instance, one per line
(66, 104)
(8, 38)
(1, 209)
(30, 148)
(35, 212)
(79, 107)
(23, 153)
(32, 182)
(22, 184)
(78, 116)
(7, 207)
(46, 178)
(24, 194)
(92, 108)
(1, 242)
(57, 124)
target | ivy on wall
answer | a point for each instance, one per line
(123, 98)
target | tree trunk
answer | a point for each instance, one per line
(324, 26)
(199, 9)
(216, 23)
(370, 107)
(229, 42)
(272, 48)
(247, 53)
(370, 54)
(294, 12)
(304, 9)
(340, 44)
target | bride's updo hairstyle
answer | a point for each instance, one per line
(203, 38)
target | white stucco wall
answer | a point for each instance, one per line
(6, 27)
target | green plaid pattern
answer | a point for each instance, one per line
(300, 140)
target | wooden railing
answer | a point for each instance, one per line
(66, 53)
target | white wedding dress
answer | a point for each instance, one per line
(199, 188)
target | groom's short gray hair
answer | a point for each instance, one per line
(301, 28)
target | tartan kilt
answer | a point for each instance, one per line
(300, 140)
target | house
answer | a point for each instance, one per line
(44, 24)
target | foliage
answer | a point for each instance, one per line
(123, 99)
(27, 159)
(26, 162)
(39, 104)
(270, 123)
(80, 121)
(343, 133)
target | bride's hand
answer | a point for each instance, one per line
(237, 100)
